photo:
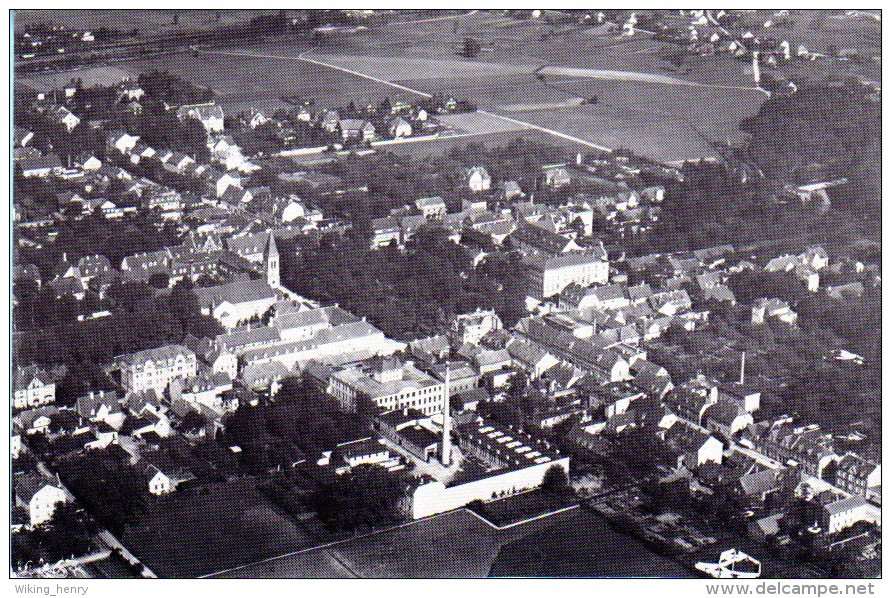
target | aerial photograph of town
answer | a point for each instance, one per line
(446, 293)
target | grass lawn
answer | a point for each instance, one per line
(201, 530)
(583, 546)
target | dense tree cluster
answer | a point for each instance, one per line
(426, 285)
(67, 534)
(111, 489)
(301, 419)
(139, 320)
(165, 87)
(366, 497)
(834, 126)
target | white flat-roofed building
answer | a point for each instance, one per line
(390, 384)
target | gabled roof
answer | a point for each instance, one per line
(51, 161)
(24, 376)
(26, 486)
(242, 291)
(844, 505)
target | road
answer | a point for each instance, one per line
(106, 536)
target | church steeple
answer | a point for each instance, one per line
(273, 263)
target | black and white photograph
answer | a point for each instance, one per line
(590, 295)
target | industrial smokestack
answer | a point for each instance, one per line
(446, 422)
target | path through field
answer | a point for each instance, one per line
(302, 57)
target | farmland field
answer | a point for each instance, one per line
(422, 149)
(665, 139)
(455, 544)
(243, 82)
(644, 104)
(196, 531)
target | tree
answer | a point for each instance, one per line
(556, 482)
(366, 497)
(471, 48)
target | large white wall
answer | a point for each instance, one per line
(433, 498)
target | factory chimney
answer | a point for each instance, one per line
(446, 422)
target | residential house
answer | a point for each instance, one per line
(431, 207)
(773, 308)
(161, 475)
(478, 179)
(472, 327)
(556, 176)
(61, 115)
(693, 445)
(21, 137)
(842, 513)
(210, 115)
(39, 496)
(548, 276)
(357, 128)
(40, 166)
(385, 231)
(32, 387)
(154, 369)
(856, 475)
(399, 127)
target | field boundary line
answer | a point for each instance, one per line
(322, 546)
(303, 58)
(466, 14)
(522, 521)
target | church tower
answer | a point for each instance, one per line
(273, 263)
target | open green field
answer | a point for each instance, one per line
(435, 147)
(660, 138)
(456, 544)
(199, 530)
(243, 82)
(585, 546)
(643, 105)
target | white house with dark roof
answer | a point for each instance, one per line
(399, 127)
(39, 496)
(843, 513)
(210, 115)
(32, 387)
(153, 369)
(478, 179)
(431, 207)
